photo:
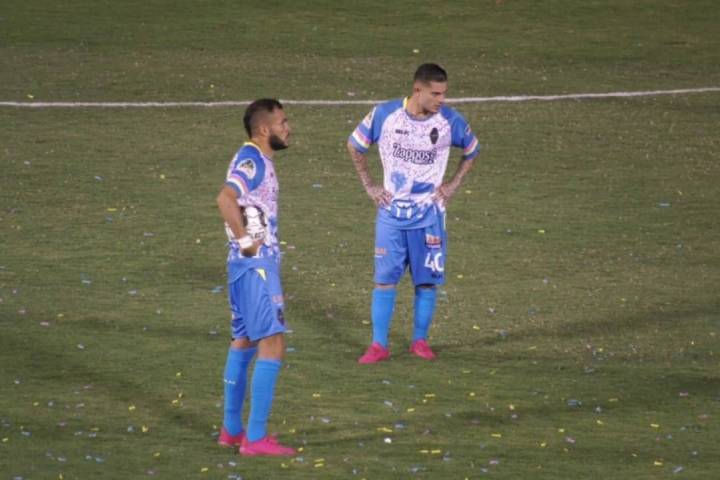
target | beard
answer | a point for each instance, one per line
(276, 143)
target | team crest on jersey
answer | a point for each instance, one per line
(434, 135)
(248, 168)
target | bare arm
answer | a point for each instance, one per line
(230, 211)
(448, 189)
(377, 193)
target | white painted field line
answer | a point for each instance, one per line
(242, 103)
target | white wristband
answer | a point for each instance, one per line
(245, 242)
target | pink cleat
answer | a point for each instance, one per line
(375, 353)
(422, 350)
(268, 446)
(227, 440)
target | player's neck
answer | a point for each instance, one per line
(414, 109)
(264, 146)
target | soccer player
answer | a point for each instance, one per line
(254, 290)
(414, 136)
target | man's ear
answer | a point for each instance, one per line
(264, 130)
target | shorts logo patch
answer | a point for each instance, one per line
(433, 241)
(379, 251)
(248, 168)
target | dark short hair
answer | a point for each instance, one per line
(254, 111)
(430, 72)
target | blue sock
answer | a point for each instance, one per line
(383, 304)
(235, 379)
(424, 310)
(263, 389)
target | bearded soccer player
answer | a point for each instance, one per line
(414, 137)
(254, 289)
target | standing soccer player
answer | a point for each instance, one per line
(414, 136)
(248, 204)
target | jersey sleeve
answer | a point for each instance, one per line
(245, 174)
(463, 137)
(366, 133)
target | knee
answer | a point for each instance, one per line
(272, 347)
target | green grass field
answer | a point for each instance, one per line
(577, 334)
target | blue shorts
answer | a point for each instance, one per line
(422, 249)
(256, 302)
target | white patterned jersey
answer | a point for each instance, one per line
(252, 175)
(414, 154)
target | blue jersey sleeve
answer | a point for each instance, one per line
(463, 137)
(370, 129)
(246, 171)
(366, 133)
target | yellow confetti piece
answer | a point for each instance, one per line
(460, 275)
(613, 400)
(145, 428)
(561, 430)
(543, 444)
(424, 400)
(30, 96)
(60, 476)
(284, 465)
(5, 440)
(385, 429)
(316, 395)
(599, 422)
(658, 463)
(541, 231)
(366, 322)
(198, 241)
(496, 435)
(178, 374)
(532, 348)
(466, 371)
(319, 465)
(156, 454)
(95, 429)
(162, 176)
(429, 395)
(410, 410)
(35, 404)
(301, 449)
(175, 401)
(112, 209)
(424, 451)
(634, 455)
(180, 395)
(319, 460)
(476, 327)
(655, 425)
(511, 407)
(131, 408)
(468, 192)
(204, 470)
(292, 430)
(436, 451)
(471, 394)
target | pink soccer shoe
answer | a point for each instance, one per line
(227, 440)
(267, 446)
(422, 350)
(375, 353)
